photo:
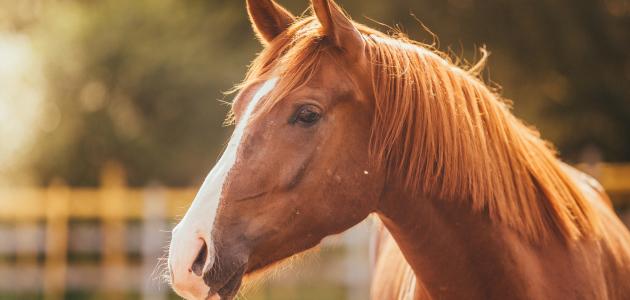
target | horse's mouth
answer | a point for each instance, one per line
(229, 290)
(224, 284)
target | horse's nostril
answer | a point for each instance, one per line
(200, 261)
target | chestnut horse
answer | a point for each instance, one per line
(336, 121)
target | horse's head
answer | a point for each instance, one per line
(296, 168)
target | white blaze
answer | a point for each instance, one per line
(199, 219)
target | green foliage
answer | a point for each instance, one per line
(138, 82)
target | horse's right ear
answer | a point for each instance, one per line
(339, 28)
(268, 19)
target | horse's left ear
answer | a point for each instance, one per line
(338, 27)
(268, 18)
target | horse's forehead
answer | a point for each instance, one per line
(330, 77)
(245, 96)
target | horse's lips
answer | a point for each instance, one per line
(229, 290)
(213, 297)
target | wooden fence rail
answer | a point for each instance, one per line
(113, 206)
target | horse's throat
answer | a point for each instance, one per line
(451, 249)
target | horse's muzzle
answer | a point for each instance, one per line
(188, 255)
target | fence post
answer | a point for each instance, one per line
(154, 229)
(113, 207)
(55, 268)
(26, 250)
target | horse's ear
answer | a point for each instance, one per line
(268, 18)
(338, 27)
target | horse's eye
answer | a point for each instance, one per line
(307, 115)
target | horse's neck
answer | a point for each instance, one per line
(454, 252)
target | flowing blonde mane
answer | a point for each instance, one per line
(444, 133)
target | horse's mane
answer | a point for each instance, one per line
(444, 133)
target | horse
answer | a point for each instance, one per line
(335, 122)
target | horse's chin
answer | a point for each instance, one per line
(249, 273)
(223, 285)
(230, 289)
(233, 285)
(253, 272)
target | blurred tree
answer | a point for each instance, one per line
(136, 81)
